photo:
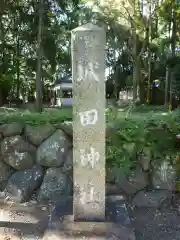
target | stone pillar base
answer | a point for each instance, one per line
(117, 225)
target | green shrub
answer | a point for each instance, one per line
(34, 119)
(152, 132)
(144, 129)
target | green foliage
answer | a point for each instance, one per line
(144, 131)
(151, 132)
(37, 118)
(19, 28)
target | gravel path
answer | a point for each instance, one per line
(153, 224)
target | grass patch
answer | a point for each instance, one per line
(52, 116)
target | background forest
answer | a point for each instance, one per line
(142, 46)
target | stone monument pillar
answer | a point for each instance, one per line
(88, 73)
(87, 219)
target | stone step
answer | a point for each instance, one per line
(89, 230)
(22, 221)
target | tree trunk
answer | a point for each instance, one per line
(135, 57)
(140, 81)
(173, 46)
(149, 57)
(141, 93)
(135, 70)
(18, 69)
(166, 87)
(39, 60)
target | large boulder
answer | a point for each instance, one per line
(18, 153)
(16, 142)
(5, 172)
(55, 186)
(20, 160)
(37, 134)
(11, 129)
(152, 199)
(51, 153)
(22, 184)
(111, 174)
(67, 128)
(132, 183)
(68, 162)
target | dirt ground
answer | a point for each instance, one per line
(151, 224)
(157, 224)
(30, 222)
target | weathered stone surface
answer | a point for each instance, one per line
(152, 198)
(89, 125)
(10, 144)
(111, 174)
(22, 183)
(19, 160)
(68, 163)
(37, 134)
(55, 186)
(164, 177)
(52, 151)
(112, 189)
(68, 168)
(134, 182)
(88, 230)
(117, 210)
(11, 129)
(66, 127)
(18, 153)
(23, 221)
(5, 173)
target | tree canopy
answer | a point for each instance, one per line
(142, 44)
